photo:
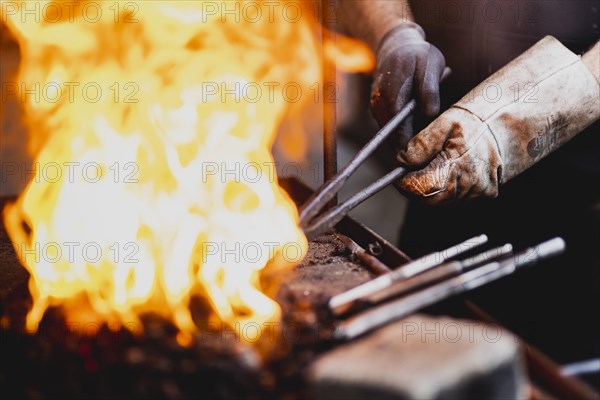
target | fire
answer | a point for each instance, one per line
(154, 178)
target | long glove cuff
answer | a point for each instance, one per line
(535, 104)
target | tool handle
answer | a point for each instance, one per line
(329, 219)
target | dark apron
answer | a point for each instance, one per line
(558, 196)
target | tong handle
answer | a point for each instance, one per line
(330, 188)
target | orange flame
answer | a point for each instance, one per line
(154, 177)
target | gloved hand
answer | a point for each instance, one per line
(507, 123)
(407, 67)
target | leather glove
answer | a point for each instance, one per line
(407, 67)
(507, 123)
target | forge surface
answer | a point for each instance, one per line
(56, 362)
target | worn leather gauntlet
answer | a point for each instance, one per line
(510, 121)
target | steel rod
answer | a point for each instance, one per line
(333, 186)
(329, 105)
(398, 309)
(345, 299)
(434, 275)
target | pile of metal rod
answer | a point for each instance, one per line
(428, 280)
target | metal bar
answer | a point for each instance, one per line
(406, 271)
(398, 309)
(434, 275)
(332, 186)
(370, 261)
(329, 105)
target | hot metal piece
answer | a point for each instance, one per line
(434, 275)
(329, 107)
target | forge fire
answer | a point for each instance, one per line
(137, 223)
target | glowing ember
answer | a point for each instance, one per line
(152, 141)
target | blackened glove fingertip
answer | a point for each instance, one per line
(432, 106)
(429, 105)
(430, 85)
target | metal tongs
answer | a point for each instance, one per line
(312, 225)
